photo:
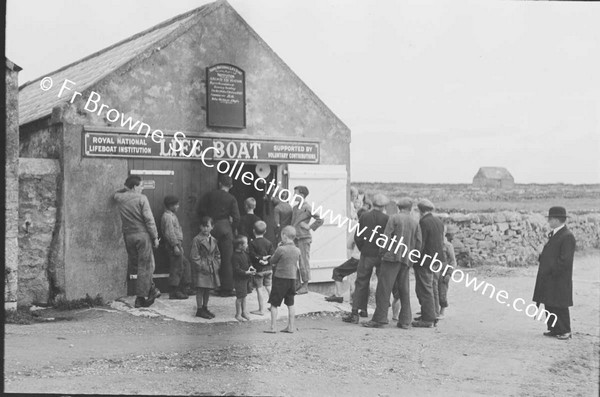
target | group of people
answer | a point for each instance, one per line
(230, 255)
(427, 235)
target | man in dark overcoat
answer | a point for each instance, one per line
(554, 282)
(432, 246)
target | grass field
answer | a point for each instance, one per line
(463, 197)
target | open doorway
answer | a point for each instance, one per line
(264, 205)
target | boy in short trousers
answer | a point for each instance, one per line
(242, 276)
(261, 250)
(285, 266)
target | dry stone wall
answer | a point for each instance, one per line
(512, 238)
(37, 223)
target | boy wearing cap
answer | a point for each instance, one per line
(554, 281)
(173, 238)
(301, 216)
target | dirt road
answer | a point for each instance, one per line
(481, 348)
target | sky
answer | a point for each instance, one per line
(431, 90)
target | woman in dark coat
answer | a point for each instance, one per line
(554, 282)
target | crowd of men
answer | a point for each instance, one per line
(426, 235)
(422, 232)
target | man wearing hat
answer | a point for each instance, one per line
(222, 206)
(140, 235)
(393, 273)
(432, 230)
(301, 216)
(374, 223)
(554, 282)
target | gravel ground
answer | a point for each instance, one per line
(481, 348)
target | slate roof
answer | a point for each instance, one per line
(10, 65)
(34, 103)
(493, 173)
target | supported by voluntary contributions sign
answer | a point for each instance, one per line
(98, 144)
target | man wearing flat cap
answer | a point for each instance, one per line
(393, 273)
(554, 282)
(432, 246)
(223, 208)
(373, 223)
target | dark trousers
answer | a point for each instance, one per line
(224, 235)
(436, 292)
(179, 270)
(364, 272)
(563, 320)
(345, 269)
(392, 277)
(424, 290)
(140, 261)
(443, 284)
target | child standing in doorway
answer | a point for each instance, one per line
(248, 220)
(261, 250)
(242, 276)
(206, 260)
(285, 264)
(173, 242)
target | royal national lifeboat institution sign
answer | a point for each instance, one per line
(100, 144)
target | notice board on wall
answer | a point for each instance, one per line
(225, 96)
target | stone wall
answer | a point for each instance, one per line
(512, 238)
(38, 203)
(11, 250)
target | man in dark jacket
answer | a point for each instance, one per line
(432, 247)
(374, 223)
(395, 265)
(554, 282)
(222, 207)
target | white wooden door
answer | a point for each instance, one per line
(327, 185)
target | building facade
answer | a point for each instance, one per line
(166, 79)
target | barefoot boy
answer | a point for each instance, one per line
(242, 276)
(261, 251)
(285, 265)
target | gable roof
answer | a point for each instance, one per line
(34, 103)
(493, 173)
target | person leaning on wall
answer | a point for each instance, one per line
(140, 235)
(554, 281)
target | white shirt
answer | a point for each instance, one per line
(557, 229)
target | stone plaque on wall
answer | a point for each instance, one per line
(225, 96)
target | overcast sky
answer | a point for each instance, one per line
(431, 90)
